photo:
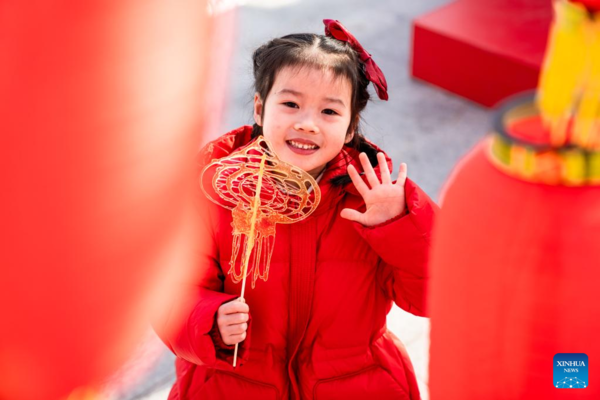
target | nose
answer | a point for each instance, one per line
(306, 123)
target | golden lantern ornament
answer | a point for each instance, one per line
(261, 191)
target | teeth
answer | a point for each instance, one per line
(302, 145)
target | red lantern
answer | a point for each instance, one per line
(515, 267)
(100, 114)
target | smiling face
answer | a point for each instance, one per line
(306, 116)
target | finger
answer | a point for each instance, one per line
(235, 329)
(352, 215)
(234, 307)
(358, 182)
(232, 319)
(383, 168)
(234, 339)
(369, 172)
(402, 175)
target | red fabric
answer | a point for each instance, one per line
(374, 74)
(319, 322)
(514, 281)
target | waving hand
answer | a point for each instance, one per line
(384, 199)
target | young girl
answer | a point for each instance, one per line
(317, 328)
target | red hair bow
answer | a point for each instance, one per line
(337, 31)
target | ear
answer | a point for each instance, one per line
(350, 134)
(258, 109)
(349, 137)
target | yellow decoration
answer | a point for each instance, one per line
(284, 198)
(261, 191)
(569, 88)
(568, 165)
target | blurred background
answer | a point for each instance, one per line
(421, 125)
(104, 106)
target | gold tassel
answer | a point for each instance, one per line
(569, 89)
(563, 70)
(585, 132)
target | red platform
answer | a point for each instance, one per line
(482, 50)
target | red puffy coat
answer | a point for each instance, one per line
(318, 325)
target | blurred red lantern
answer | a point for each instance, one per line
(101, 113)
(514, 267)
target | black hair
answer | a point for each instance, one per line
(319, 51)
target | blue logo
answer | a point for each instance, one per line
(571, 371)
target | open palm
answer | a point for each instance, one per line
(384, 200)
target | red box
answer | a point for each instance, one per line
(482, 50)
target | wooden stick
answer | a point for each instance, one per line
(251, 238)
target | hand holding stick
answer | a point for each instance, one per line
(261, 191)
(251, 237)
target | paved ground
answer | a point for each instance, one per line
(420, 125)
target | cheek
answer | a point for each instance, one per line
(274, 129)
(336, 147)
(275, 140)
(339, 139)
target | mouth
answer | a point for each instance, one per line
(301, 146)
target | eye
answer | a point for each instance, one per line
(329, 111)
(290, 104)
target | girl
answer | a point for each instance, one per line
(319, 329)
